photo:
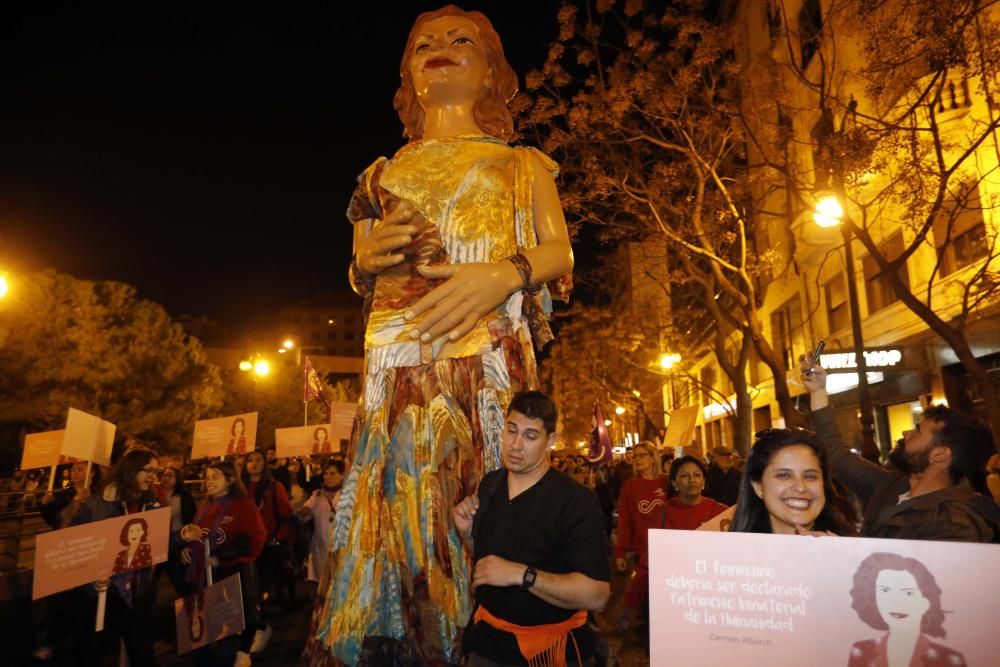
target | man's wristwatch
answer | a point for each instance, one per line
(529, 578)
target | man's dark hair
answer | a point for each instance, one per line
(535, 405)
(970, 442)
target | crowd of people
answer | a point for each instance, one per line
(542, 559)
(265, 518)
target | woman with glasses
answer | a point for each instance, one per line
(786, 488)
(130, 596)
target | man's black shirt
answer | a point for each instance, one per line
(556, 526)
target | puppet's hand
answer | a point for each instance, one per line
(471, 291)
(377, 250)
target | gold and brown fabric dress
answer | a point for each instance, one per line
(396, 585)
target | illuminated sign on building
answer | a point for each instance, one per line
(846, 361)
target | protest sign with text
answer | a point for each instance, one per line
(224, 436)
(342, 420)
(313, 440)
(83, 554)
(211, 614)
(755, 599)
(41, 450)
(88, 438)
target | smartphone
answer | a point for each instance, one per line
(815, 356)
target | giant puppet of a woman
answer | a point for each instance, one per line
(454, 237)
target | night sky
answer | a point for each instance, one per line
(205, 154)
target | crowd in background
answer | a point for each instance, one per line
(278, 515)
(267, 518)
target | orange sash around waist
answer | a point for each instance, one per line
(541, 645)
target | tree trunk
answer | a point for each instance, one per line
(777, 365)
(743, 421)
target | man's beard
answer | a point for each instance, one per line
(909, 463)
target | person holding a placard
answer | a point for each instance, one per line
(235, 533)
(786, 488)
(130, 596)
(929, 495)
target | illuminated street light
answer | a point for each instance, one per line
(668, 361)
(619, 410)
(288, 344)
(246, 365)
(607, 422)
(829, 211)
(4, 285)
(261, 368)
(282, 350)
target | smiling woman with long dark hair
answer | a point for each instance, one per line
(786, 487)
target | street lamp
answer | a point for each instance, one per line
(256, 367)
(619, 410)
(4, 285)
(668, 361)
(830, 213)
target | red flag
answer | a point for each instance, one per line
(600, 443)
(312, 387)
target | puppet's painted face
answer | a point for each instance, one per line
(900, 602)
(448, 62)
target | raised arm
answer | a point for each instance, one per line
(858, 474)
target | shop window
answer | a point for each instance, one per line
(837, 314)
(960, 233)
(787, 335)
(877, 288)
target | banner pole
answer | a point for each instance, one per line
(305, 413)
(102, 601)
(86, 482)
(52, 476)
(208, 565)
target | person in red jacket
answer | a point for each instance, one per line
(641, 506)
(236, 534)
(276, 561)
(689, 509)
